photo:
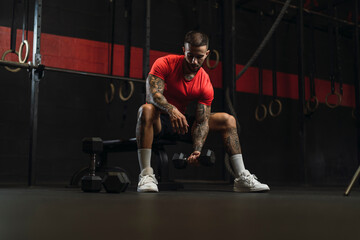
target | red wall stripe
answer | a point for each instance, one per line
(287, 86)
(93, 56)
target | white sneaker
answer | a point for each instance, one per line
(147, 183)
(247, 182)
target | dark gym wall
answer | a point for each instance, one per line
(330, 134)
(72, 107)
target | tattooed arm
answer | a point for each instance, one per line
(154, 94)
(200, 129)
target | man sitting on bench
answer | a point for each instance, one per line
(173, 82)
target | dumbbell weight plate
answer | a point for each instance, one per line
(91, 183)
(116, 182)
(207, 158)
(179, 161)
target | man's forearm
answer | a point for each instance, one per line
(200, 128)
(160, 101)
(199, 133)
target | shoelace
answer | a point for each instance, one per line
(148, 178)
(251, 179)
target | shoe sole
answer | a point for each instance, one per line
(248, 190)
(147, 190)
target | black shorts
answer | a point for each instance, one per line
(167, 132)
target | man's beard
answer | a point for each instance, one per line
(194, 67)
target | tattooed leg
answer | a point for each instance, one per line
(226, 125)
(231, 141)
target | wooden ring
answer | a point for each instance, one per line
(25, 42)
(315, 105)
(217, 60)
(271, 105)
(131, 91)
(107, 100)
(14, 70)
(257, 112)
(339, 97)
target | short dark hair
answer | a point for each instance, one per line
(196, 39)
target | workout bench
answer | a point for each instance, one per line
(120, 145)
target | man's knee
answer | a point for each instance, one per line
(230, 121)
(146, 113)
(222, 122)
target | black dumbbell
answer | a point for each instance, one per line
(91, 182)
(116, 182)
(179, 160)
(207, 158)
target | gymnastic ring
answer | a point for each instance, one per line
(309, 101)
(270, 107)
(107, 100)
(217, 60)
(14, 70)
(25, 42)
(130, 94)
(257, 112)
(338, 102)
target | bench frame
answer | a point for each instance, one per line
(130, 145)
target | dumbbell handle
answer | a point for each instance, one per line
(92, 164)
(207, 162)
(207, 159)
(195, 162)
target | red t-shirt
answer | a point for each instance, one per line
(178, 91)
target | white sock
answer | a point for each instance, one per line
(237, 164)
(144, 156)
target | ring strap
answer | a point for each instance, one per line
(257, 115)
(335, 53)
(313, 59)
(25, 20)
(313, 102)
(337, 56)
(274, 78)
(13, 27)
(274, 65)
(334, 71)
(331, 47)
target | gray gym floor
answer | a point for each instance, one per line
(192, 213)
